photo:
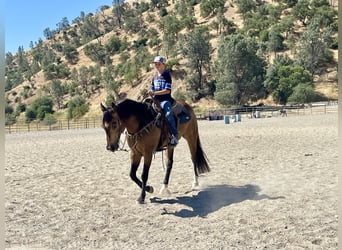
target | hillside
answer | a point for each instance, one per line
(149, 20)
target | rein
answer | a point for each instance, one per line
(141, 131)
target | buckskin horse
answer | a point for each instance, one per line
(146, 133)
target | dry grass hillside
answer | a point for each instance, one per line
(326, 83)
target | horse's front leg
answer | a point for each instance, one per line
(144, 187)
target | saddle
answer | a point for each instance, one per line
(180, 113)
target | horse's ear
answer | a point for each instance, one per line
(103, 108)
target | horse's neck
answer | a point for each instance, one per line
(132, 124)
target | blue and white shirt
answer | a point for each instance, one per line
(160, 82)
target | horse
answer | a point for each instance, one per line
(147, 132)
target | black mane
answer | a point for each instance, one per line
(129, 107)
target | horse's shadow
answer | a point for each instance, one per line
(212, 199)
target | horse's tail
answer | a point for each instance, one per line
(201, 160)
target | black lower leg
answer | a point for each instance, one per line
(133, 175)
(168, 172)
(144, 178)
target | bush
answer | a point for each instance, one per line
(8, 109)
(39, 108)
(30, 114)
(179, 95)
(49, 119)
(77, 107)
(20, 108)
(162, 12)
(171, 63)
(302, 93)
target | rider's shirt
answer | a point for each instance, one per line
(160, 82)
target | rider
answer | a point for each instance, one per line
(161, 90)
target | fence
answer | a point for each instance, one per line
(46, 125)
(272, 111)
(95, 122)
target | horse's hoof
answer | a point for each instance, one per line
(165, 191)
(149, 189)
(195, 185)
(140, 201)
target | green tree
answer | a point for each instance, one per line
(245, 7)
(170, 26)
(57, 91)
(90, 29)
(275, 40)
(313, 48)
(77, 107)
(96, 52)
(110, 84)
(196, 47)
(302, 93)
(272, 78)
(118, 11)
(302, 11)
(290, 77)
(84, 78)
(113, 45)
(39, 108)
(239, 71)
(71, 54)
(211, 7)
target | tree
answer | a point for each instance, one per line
(272, 79)
(90, 29)
(302, 93)
(57, 91)
(77, 107)
(275, 40)
(63, 24)
(71, 54)
(211, 7)
(302, 11)
(96, 52)
(113, 45)
(84, 78)
(313, 48)
(171, 26)
(39, 108)
(195, 46)
(290, 77)
(245, 7)
(118, 11)
(239, 71)
(110, 84)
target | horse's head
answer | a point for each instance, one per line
(112, 125)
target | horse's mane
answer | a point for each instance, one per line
(128, 107)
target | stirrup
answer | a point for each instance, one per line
(173, 141)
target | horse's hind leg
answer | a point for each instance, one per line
(193, 147)
(169, 165)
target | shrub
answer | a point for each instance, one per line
(77, 107)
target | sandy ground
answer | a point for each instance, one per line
(273, 185)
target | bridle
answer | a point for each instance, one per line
(134, 136)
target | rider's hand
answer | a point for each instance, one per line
(151, 93)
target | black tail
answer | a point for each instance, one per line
(201, 161)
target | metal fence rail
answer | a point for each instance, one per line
(272, 111)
